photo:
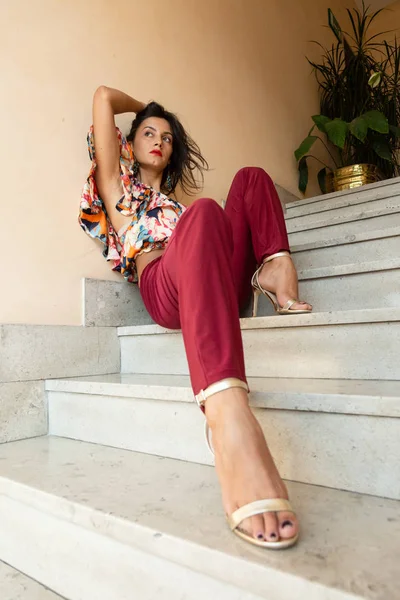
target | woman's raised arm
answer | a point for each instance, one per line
(108, 102)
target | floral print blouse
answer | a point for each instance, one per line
(153, 214)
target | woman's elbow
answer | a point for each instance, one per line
(101, 92)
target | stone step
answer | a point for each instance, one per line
(346, 214)
(104, 523)
(339, 287)
(350, 249)
(338, 200)
(327, 230)
(17, 586)
(353, 344)
(350, 287)
(323, 432)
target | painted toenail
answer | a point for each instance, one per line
(260, 536)
(287, 524)
(272, 535)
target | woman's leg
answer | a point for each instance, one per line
(192, 286)
(258, 225)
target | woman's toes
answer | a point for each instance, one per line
(271, 527)
(257, 527)
(300, 305)
(288, 526)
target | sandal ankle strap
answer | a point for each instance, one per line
(276, 255)
(219, 386)
(254, 280)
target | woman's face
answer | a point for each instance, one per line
(153, 142)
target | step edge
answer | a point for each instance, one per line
(45, 503)
(349, 269)
(329, 318)
(372, 405)
(356, 238)
(330, 205)
(370, 186)
(346, 219)
(29, 585)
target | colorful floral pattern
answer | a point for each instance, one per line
(154, 215)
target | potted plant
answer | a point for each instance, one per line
(359, 79)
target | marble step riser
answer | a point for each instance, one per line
(328, 449)
(345, 351)
(336, 231)
(343, 254)
(114, 570)
(325, 203)
(382, 206)
(375, 289)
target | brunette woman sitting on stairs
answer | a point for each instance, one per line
(181, 257)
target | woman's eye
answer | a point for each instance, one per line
(147, 133)
(167, 139)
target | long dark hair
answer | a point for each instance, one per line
(186, 157)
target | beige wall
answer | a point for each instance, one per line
(373, 4)
(234, 70)
(389, 20)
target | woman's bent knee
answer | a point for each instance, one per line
(253, 171)
(206, 204)
(205, 214)
(203, 208)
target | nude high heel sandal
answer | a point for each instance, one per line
(253, 508)
(258, 289)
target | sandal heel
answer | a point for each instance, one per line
(256, 295)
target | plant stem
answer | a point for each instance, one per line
(329, 152)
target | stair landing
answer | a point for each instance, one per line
(87, 497)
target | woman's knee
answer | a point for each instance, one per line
(205, 205)
(206, 209)
(253, 172)
(205, 214)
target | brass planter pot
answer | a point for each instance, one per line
(348, 178)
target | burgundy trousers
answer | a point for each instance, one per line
(203, 278)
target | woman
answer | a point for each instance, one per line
(182, 257)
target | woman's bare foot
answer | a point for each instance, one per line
(280, 277)
(244, 465)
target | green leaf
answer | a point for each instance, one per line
(359, 128)
(334, 25)
(382, 149)
(376, 121)
(375, 79)
(322, 180)
(311, 130)
(337, 132)
(303, 174)
(320, 121)
(394, 129)
(305, 146)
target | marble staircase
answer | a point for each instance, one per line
(119, 501)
